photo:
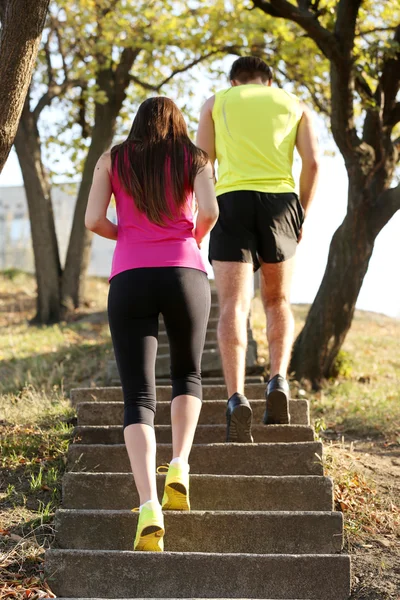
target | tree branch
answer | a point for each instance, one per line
(157, 87)
(61, 51)
(146, 86)
(308, 20)
(375, 30)
(345, 26)
(47, 54)
(122, 72)
(394, 116)
(188, 67)
(322, 107)
(362, 86)
(3, 4)
(389, 85)
(344, 80)
(54, 91)
(337, 47)
(387, 204)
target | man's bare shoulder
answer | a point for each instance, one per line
(209, 104)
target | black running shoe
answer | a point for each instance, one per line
(277, 395)
(238, 419)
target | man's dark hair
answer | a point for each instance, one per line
(246, 68)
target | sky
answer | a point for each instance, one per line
(381, 288)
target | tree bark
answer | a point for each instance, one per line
(43, 233)
(331, 314)
(22, 25)
(114, 82)
(370, 162)
(79, 247)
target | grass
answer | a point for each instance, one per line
(64, 355)
(38, 367)
(357, 416)
(364, 400)
(32, 464)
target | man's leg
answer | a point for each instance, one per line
(233, 281)
(275, 292)
(275, 289)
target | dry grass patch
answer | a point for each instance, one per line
(64, 355)
(357, 415)
(31, 469)
(364, 400)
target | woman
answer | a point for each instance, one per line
(157, 268)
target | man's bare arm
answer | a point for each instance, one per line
(307, 146)
(206, 132)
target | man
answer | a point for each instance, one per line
(251, 129)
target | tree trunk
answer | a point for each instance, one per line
(331, 313)
(114, 84)
(79, 248)
(43, 232)
(22, 25)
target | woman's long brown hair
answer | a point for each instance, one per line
(158, 156)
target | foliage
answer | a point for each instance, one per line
(83, 38)
(342, 366)
(373, 44)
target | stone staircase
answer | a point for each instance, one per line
(262, 523)
(211, 362)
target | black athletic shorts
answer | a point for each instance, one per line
(256, 225)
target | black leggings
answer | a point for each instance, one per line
(135, 300)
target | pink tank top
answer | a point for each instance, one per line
(141, 243)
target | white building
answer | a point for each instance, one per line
(15, 235)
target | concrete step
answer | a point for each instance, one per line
(212, 324)
(211, 336)
(212, 412)
(210, 345)
(207, 379)
(205, 434)
(210, 363)
(254, 391)
(117, 574)
(117, 491)
(298, 458)
(214, 310)
(198, 531)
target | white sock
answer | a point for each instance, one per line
(151, 504)
(180, 461)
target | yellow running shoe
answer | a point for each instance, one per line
(176, 491)
(150, 529)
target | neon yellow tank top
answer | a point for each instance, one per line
(255, 135)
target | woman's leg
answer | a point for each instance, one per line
(140, 443)
(133, 321)
(186, 312)
(185, 411)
